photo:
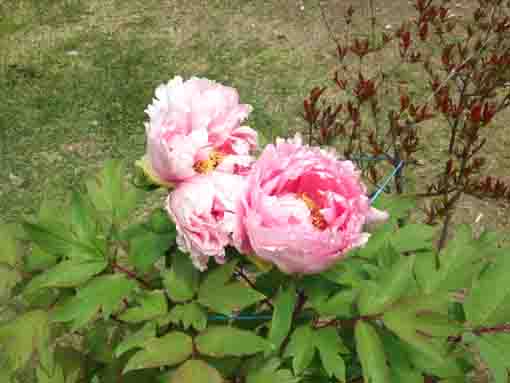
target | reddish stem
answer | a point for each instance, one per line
(130, 274)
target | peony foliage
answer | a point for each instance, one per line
(269, 268)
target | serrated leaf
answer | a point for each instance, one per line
(84, 224)
(60, 242)
(147, 247)
(282, 316)
(235, 296)
(152, 304)
(182, 280)
(218, 277)
(458, 264)
(220, 341)
(329, 344)
(402, 369)
(169, 350)
(138, 339)
(404, 323)
(70, 273)
(190, 314)
(196, 371)
(222, 297)
(340, 304)
(371, 353)
(392, 285)
(110, 194)
(349, 272)
(413, 237)
(103, 293)
(489, 294)
(23, 336)
(301, 347)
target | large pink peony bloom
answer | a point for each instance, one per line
(302, 208)
(203, 210)
(194, 125)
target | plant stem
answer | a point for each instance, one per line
(130, 274)
(245, 278)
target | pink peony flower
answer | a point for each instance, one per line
(302, 208)
(203, 210)
(194, 125)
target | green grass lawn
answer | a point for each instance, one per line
(76, 77)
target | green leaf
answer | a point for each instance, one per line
(218, 277)
(23, 336)
(59, 242)
(220, 341)
(269, 373)
(349, 272)
(147, 247)
(9, 278)
(83, 220)
(392, 285)
(397, 206)
(282, 316)
(70, 273)
(378, 240)
(55, 376)
(301, 347)
(196, 371)
(340, 304)
(169, 350)
(494, 357)
(39, 259)
(110, 195)
(190, 314)
(329, 344)
(103, 293)
(402, 369)
(489, 294)
(10, 250)
(410, 327)
(222, 297)
(152, 304)
(413, 237)
(182, 280)
(136, 340)
(371, 353)
(72, 362)
(459, 262)
(161, 223)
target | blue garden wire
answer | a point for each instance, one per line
(386, 182)
(377, 193)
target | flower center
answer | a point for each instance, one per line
(318, 219)
(206, 166)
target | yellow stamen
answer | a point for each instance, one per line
(318, 219)
(206, 166)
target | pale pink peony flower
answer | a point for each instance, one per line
(302, 208)
(193, 126)
(203, 210)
